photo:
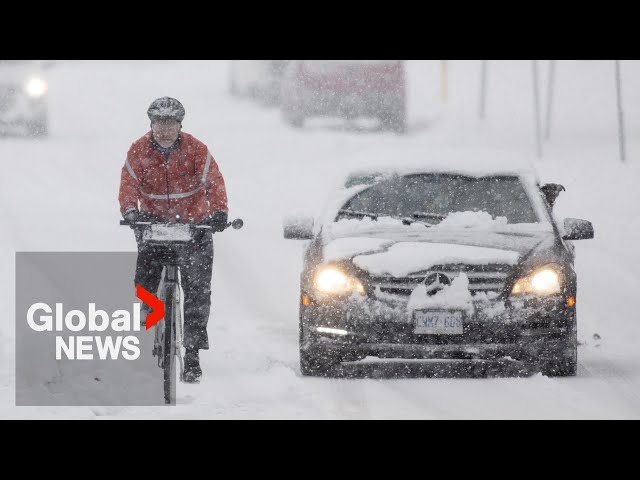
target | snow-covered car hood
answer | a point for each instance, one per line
(390, 248)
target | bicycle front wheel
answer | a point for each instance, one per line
(169, 353)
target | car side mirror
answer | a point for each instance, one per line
(551, 192)
(577, 229)
(298, 228)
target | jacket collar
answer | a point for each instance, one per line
(168, 150)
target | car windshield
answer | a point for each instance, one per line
(431, 197)
(351, 62)
(332, 65)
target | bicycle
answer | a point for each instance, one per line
(170, 242)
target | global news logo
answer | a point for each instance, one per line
(115, 333)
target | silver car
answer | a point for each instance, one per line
(24, 97)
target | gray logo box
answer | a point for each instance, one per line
(75, 280)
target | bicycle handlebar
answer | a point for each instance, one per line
(235, 224)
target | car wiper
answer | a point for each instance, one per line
(354, 213)
(416, 216)
(421, 215)
(410, 221)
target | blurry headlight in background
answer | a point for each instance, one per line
(36, 87)
(543, 281)
(332, 281)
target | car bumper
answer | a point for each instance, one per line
(520, 329)
(351, 104)
(18, 111)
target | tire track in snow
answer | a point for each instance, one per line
(349, 399)
(611, 374)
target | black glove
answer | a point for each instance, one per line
(217, 221)
(131, 215)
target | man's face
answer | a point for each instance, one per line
(165, 131)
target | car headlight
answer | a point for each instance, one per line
(36, 87)
(332, 281)
(542, 281)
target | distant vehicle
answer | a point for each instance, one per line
(257, 79)
(346, 89)
(24, 97)
(439, 261)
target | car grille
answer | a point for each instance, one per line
(482, 278)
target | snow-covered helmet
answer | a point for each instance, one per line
(165, 107)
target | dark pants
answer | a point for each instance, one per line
(196, 284)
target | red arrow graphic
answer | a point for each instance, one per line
(157, 305)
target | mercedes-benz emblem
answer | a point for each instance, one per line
(436, 282)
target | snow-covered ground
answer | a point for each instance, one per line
(60, 194)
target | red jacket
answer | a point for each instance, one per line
(185, 182)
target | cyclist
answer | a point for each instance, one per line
(169, 175)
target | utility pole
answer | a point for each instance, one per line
(550, 85)
(483, 87)
(536, 108)
(620, 113)
(444, 80)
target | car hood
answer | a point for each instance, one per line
(405, 250)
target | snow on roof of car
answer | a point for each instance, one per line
(475, 162)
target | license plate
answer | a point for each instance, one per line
(434, 322)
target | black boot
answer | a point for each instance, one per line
(192, 370)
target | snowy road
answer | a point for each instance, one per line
(60, 194)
